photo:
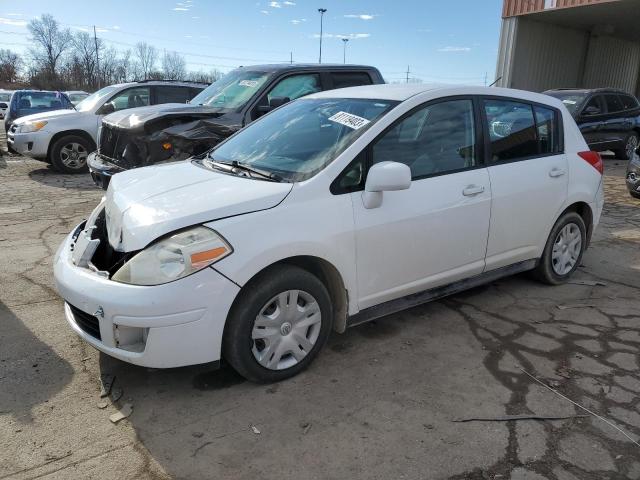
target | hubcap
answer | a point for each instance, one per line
(73, 155)
(632, 145)
(566, 249)
(286, 329)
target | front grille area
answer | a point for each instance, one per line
(118, 147)
(87, 323)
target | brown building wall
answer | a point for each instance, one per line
(514, 8)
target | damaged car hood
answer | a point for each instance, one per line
(147, 203)
(140, 117)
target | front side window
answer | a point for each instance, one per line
(132, 98)
(296, 86)
(435, 139)
(95, 99)
(594, 107)
(614, 104)
(301, 138)
(512, 130)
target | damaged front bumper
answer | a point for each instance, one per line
(170, 325)
(101, 169)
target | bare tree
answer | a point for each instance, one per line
(50, 43)
(85, 55)
(205, 77)
(10, 65)
(174, 66)
(146, 57)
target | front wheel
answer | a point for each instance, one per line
(563, 252)
(278, 324)
(69, 154)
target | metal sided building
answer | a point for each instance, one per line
(548, 44)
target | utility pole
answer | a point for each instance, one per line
(344, 51)
(95, 39)
(291, 56)
(408, 73)
(485, 79)
(322, 11)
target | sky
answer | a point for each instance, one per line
(439, 41)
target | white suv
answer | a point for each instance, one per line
(335, 209)
(65, 138)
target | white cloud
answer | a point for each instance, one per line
(362, 16)
(14, 23)
(289, 3)
(180, 9)
(297, 22)
(116, 27)
(350, 36)
(275, 5)
(454, 49)
(265, 12)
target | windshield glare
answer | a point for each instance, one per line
(231, 91)
(300, 139)
(94, 99)
(571, 100)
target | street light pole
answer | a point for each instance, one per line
(322, 12)
(344, 51)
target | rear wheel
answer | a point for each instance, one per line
(563, 251)
(278, 324)
(69, 154)
(630, 146)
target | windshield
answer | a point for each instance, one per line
(77, 97)
(94, 99)
(300, 139)
(5, 97)
(231, 91)
(572, 100)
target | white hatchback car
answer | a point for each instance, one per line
(335, 209)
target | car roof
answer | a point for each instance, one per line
(587, 91)
(402, 92)
(278, 67)
(76, 92)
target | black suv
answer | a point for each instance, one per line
(609, 119)
(148, 135)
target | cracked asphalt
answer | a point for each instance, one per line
(379, 402)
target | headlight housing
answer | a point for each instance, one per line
(174, 257)
(28, 127)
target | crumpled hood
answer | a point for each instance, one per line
(147, 203)
(49, 115)
(137, 117)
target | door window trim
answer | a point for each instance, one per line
(532, 104)
(367, 151)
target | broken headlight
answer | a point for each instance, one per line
(173, 257)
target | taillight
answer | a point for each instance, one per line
(594, 159)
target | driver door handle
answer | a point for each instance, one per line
(471, 190)
(556, 172)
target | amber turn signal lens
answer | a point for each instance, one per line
(207, 256)
(166, 146)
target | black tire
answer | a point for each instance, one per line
(237, 342)
(545, 270)
(56, 154)
(630, 142)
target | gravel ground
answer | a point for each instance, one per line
(378, 403)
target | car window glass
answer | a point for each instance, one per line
(512, 130)
(131, 98)
(547, 128)
(350, 79)
(594, 103)
(614, 104)
(296, 86)
(172, 94)
(629, 102)
(435, 139)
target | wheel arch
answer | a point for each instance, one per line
(584, 210)
(78, 132)
(328, 274)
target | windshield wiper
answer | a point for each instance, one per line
(234, 166)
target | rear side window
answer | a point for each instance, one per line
(350, 79)
(172, 94)
(614, 104)
(547, 130)
(629, 102)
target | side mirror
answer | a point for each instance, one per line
(591, 110)
(385, 177)
(274, 103)
(106, 109)
(4, 105)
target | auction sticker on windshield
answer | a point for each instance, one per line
(249, 83)
(349, 120)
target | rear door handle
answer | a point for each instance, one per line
(556, 172)
(471, 190)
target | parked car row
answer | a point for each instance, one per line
(332, 210)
